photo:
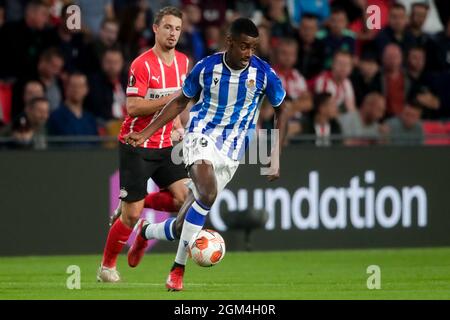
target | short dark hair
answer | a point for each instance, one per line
(310, 16)
(342, 52)
(108, 20)
(167, 11)
(424, 5)
(34, 101)
(417, 48)
(51, 53)
(243, 26)
(114, 48)
(338, 9)
(35, 4)
(398, 5)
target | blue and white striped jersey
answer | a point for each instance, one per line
(229, 102)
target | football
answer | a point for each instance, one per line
(206, 248)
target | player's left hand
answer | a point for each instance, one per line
(135, 139)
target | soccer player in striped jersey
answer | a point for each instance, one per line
(232, 85)
(154, 76)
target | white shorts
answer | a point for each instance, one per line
(197, 147)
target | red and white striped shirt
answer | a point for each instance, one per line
(151, 78)
(342, 92)
(293, 82)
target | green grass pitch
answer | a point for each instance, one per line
(340, 274)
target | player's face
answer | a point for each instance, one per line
(168, 31)
(241, 49)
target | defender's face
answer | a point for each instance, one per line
(168, 31)
(241, 49)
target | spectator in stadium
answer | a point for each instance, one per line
(49, 69)
(421, 82)
(191, 41)
(337, 82)
(23, 41)
(394, 80)
(71, 43)
(443, 47)
(25, 92)
(362, 126)
(94, 12)
(278, 19)
(214, 39)
(131, 32)
(70, 119)
(337, 37)
(106, 98)
(406, 128)
(106, 38)
(298, 100)
(366, 77)
(322, 122)
(264, 49)
(311, 53)
(396, 31)
(437, 10)
(28, 130)
(419, 12)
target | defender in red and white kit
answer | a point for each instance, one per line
(153, 77)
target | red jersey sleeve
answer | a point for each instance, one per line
(138, 78)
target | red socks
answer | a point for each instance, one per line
(161, 201)
(117, 238)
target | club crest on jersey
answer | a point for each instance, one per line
(131, 81)
(250, 84)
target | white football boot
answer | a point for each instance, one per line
(105, 274)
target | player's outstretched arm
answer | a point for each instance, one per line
(280, 119)
(168, 113)
(140, 107)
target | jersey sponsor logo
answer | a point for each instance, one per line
(153, 93)
(216, 80)
(185, 243)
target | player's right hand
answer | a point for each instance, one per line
(135, 139)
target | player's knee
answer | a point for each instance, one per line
(130, 215)
(179, 199)
(208, 198)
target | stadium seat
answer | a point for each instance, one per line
(436, 133)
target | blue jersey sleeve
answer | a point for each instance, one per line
(274, 89)
(191, 86)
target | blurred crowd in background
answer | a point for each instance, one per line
(369, 86)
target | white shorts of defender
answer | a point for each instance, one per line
(197, 147)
